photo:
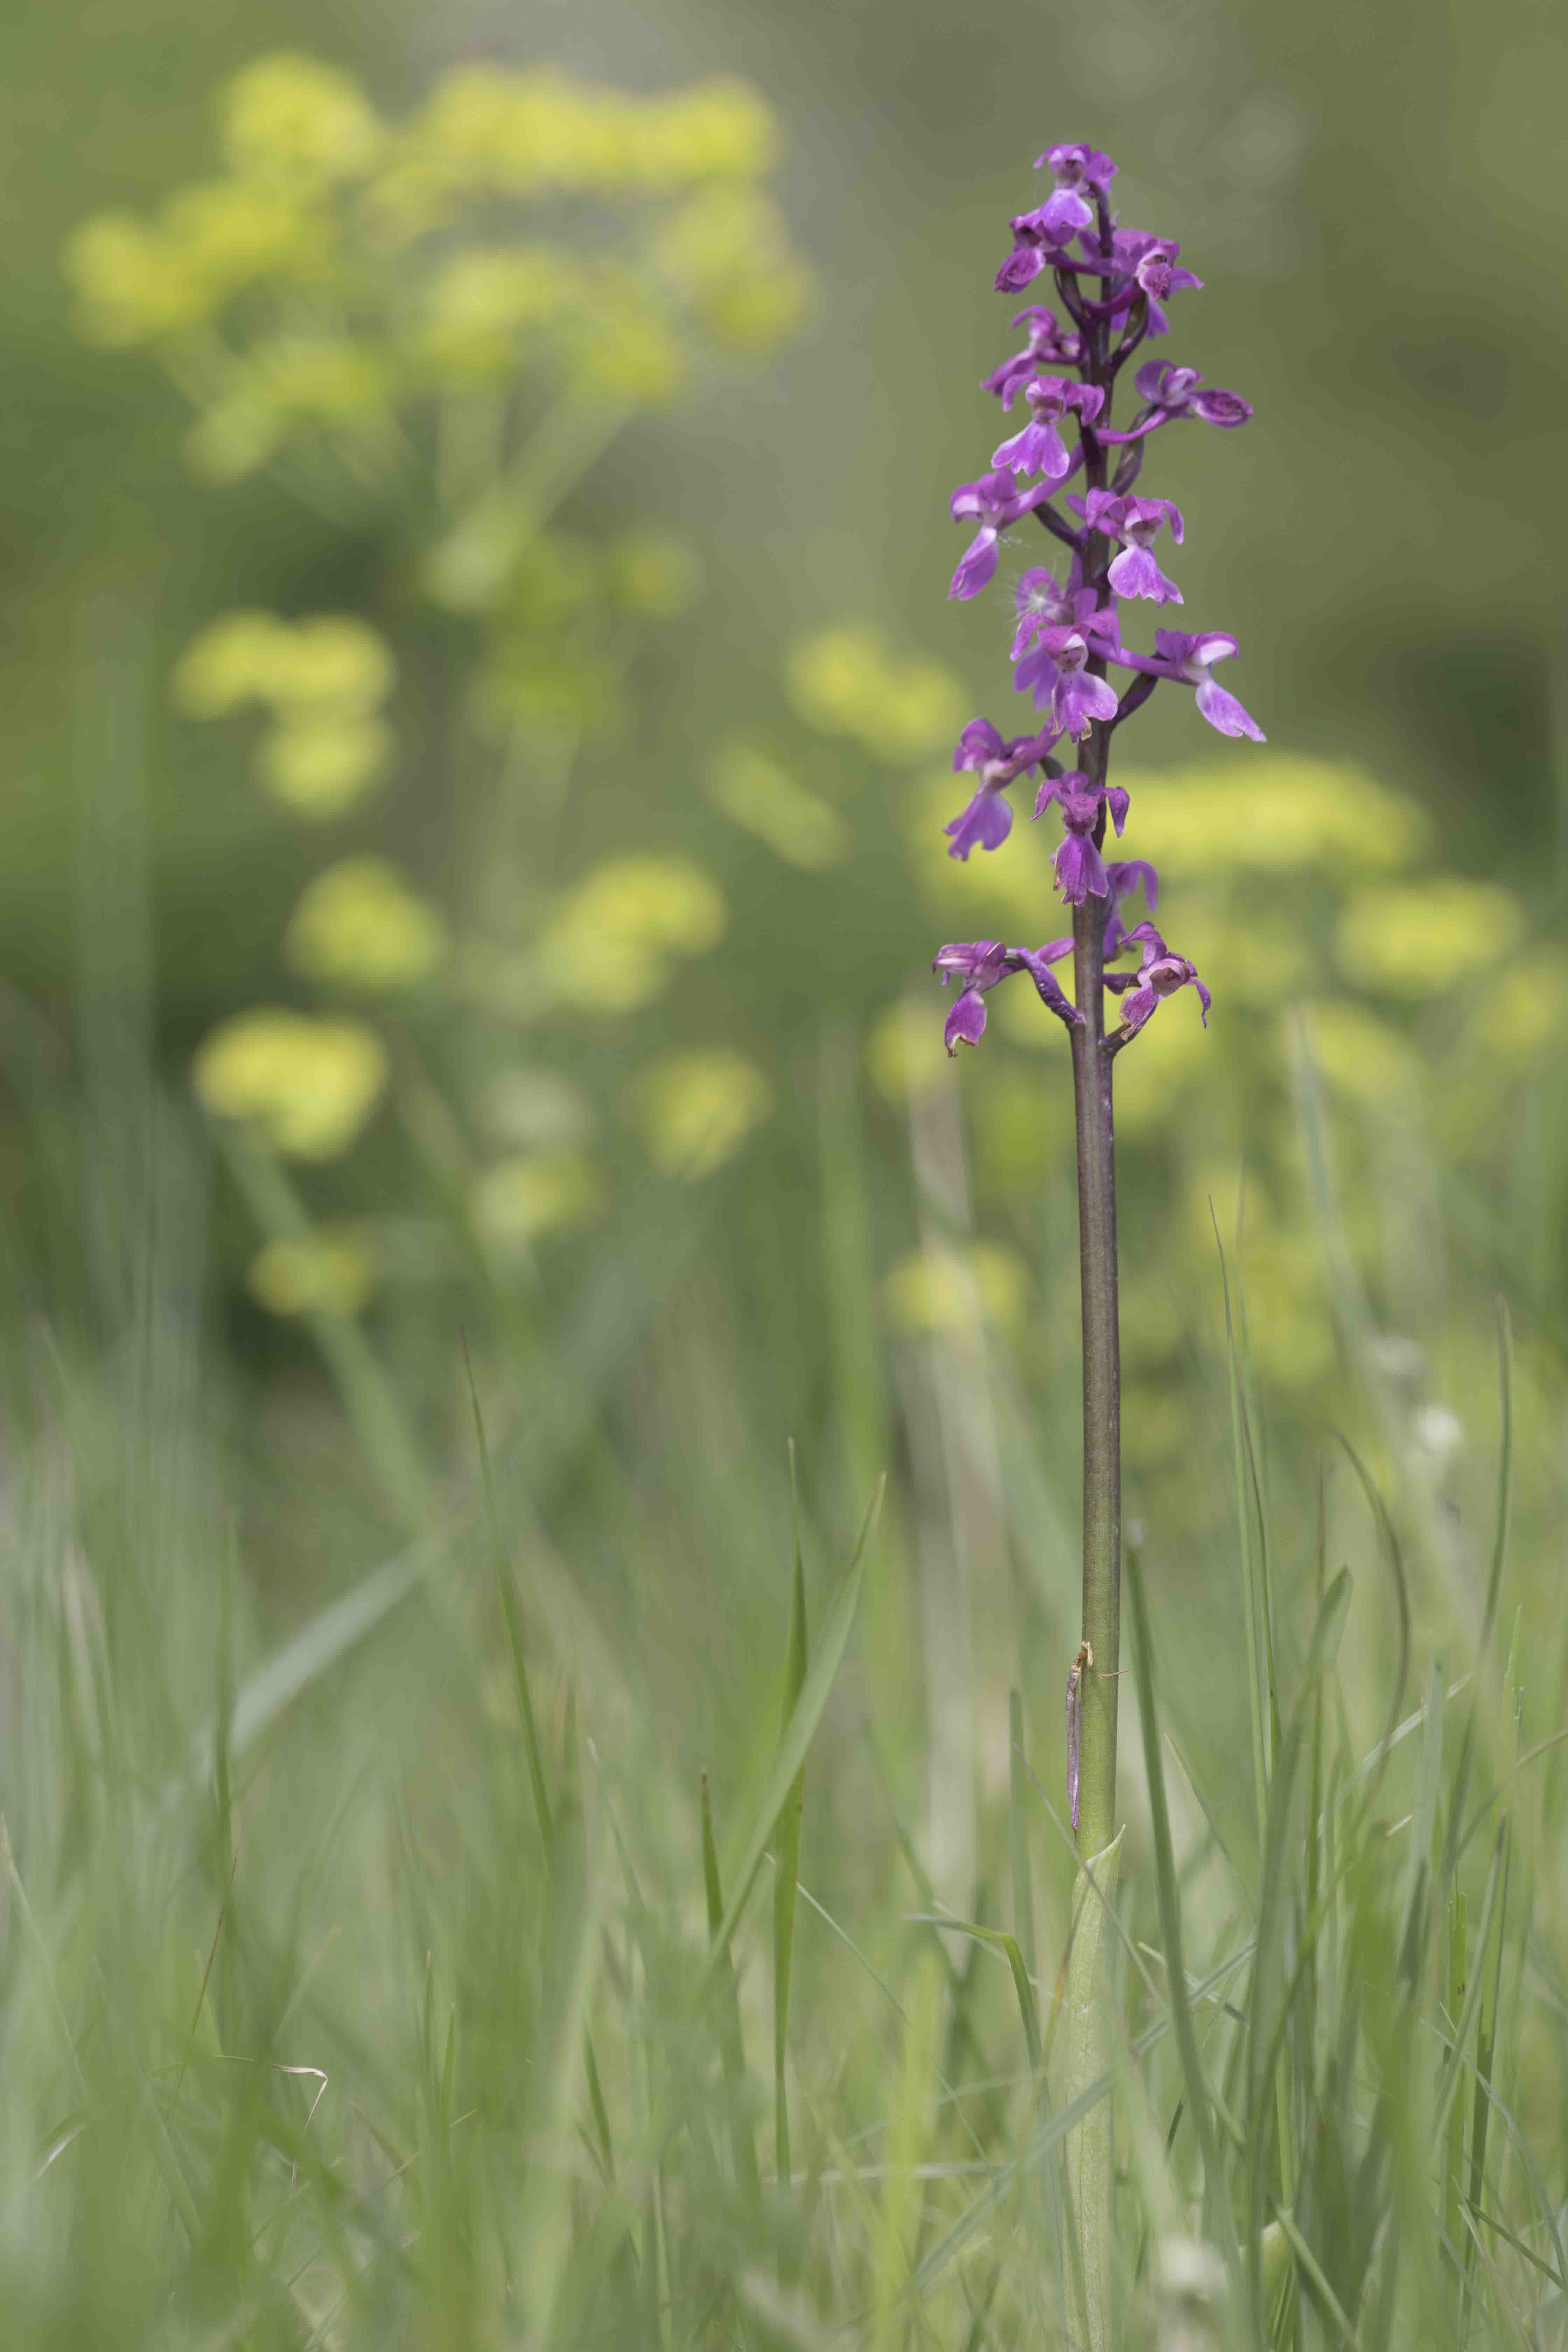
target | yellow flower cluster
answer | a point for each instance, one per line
(309, 1086)
(359, 926)
(320, 680)
(752, 788)
(695, 1110)
(846, 681)
(611, 944)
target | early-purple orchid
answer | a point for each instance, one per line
(1168, 392)
(1159, 974)
(1039, 447)
(995, 501)
(1190, 659)
(987, 819)
(1112, 284)
(979, 964)
(1134, 523)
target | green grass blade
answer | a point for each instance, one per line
(804, 1719)
(998, 1940)
(1018, 1836)
(512, 1614)
(1216, 2200)
(732, 2038)
(786, 1835)
(1257, 1680)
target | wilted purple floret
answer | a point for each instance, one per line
(997, 501)
(1136, 522)
(1161, 974)
(1191, 659)
(1125, 875)
(1048, 344)
(979, 964)
(1039, 448)
(988, 819)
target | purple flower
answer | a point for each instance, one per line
(979, 964)
(1049, 343)
(1161, 974)
(1136, 522)
(1075, 167)
(1074, 698)
(1191, 659)
(1152, 261)
(997, 500)
(1169, 391)
(988, 818)
(1040, 239)
(1079, 872)
(1042, 605)
(1039, 448)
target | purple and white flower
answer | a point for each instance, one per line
(1191, 659)
(1039, 448)
(1135, 523)
(1169, 391)
(979, 964)
(995, 501)
(997, 763)
(1160, 975)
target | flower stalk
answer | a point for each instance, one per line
(1113, 284)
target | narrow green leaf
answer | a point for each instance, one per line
(1018, 1835)
(998, 1939)
(803, 1723)
(513, 1615)
(786, 1835)
(1216, 2200)
(732, 2038)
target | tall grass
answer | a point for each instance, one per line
(501, 1912)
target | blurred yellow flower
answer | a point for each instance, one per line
(1274, 812)
(519, 1200)
(904, 1051)
(320, 768)
(360, 925)
(609, 945)
(751, 788)
(727, 250)
(936, 1292)
(1362, 1056)
(1525, 1010)
(1422, 938)
(310, 1084)
(294, 118)
(711, 128)
(334, 1270)
(481, 300)
(695, 1110)
(1161, 1070)
(844, 681)
(332, 662)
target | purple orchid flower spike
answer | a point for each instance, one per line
(995, 501)
(1135, 523)
(1039, 448)
(1049, 345)
(979, 964)
(987, 820)
(1160, 975)
(1190, 659)
(1169, 391)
